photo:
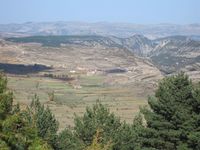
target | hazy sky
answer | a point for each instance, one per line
(133, 11)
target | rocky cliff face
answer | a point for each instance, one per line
(138, 44)
(176, 53)
(169, 54)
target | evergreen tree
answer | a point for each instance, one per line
(6, 98)
(15, 132)
(97, 117)
(98, 146)
(128, 135)
(121, 135)
(68, 141)
(173, 120)
(43, 120)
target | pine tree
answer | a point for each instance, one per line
(15, 132)
(128, 135)
(68, 141)
(43, 120)
(96, 145)
(6, 98)
(123, 136)
(173, 120)
(97, 117)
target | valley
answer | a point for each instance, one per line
(79, 75)
(100, 75)
(69, 73)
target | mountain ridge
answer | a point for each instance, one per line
(100, 28)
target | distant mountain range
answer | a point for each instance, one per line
(99, 28)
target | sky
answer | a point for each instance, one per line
(127, 11)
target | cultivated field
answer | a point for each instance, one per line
(123, 101)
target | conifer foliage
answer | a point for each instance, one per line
(43, 120)
(173, 120)
(15, 132)
(98, 120)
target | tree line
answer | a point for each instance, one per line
(170, 121)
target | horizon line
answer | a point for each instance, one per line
(102, 22)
